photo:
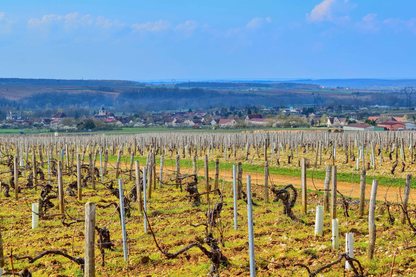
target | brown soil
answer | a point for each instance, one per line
(347, 189)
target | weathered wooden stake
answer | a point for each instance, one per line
(406, 197)
(89, 269)
(371, 222)
(217, 173)
(92, 171)
(60, 188)
(334, 193)
(304, 187)
(326, 188)
(1, 250)
(266, 182)
(118, 163)
(16, 177)
(35, 178)
(178, 171)
(138, 186)
(362, 192)
(207, 186)
(161, 171)
(79, 184)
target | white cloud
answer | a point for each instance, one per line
(152, 26)
(107, 23)
(369, 24)
(398, 24)
(411, 24)
(335, 11)
(257, 23)
(322, 11)
(46, 20)
(189, 25)
(5, 24)
(73, 21)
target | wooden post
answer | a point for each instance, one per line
(207, 186)
(326, 188)
(1, 251)
(406, 197)
(79, 184)
(217, 173)
(60, 188)
(371, 222)
(265, 151)
(362, 192)
(92, 171)
(154, 169)
(138, 186)
(178, 171)
(161, 171)
(194, 167)
(239, 179)
(304, 187)
(35, 178)
(149, 174)
(105, 162)
(266, 182)
(118, 164)
(334, 193)
(89, 269)
(40, 155)
(131, 165)
(16, 177)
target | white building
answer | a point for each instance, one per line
(358, 127)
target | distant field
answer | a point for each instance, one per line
(18, 92)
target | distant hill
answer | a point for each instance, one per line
(64, 82)
(368, 84)
(248, 85)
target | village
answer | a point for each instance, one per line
(224, 118)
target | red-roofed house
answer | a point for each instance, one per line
(375, 118)
(226, 122)
(393, 126)
(399, 119)
(251, 116)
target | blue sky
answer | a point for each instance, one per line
(163, 40)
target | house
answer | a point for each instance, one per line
(296, 111)
(251, 116)
(59, 115)
(103, 114)
(393, 126)
(192, 122)
(399, 119)
(333, 122)
(214, 122)
(226, 122)
(375, 118)
(45, 120)
(13, 116)
(258, 121)
(409, 126)
(358, 127)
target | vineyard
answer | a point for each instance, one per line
(200, 204)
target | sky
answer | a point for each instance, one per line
(193, 40)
